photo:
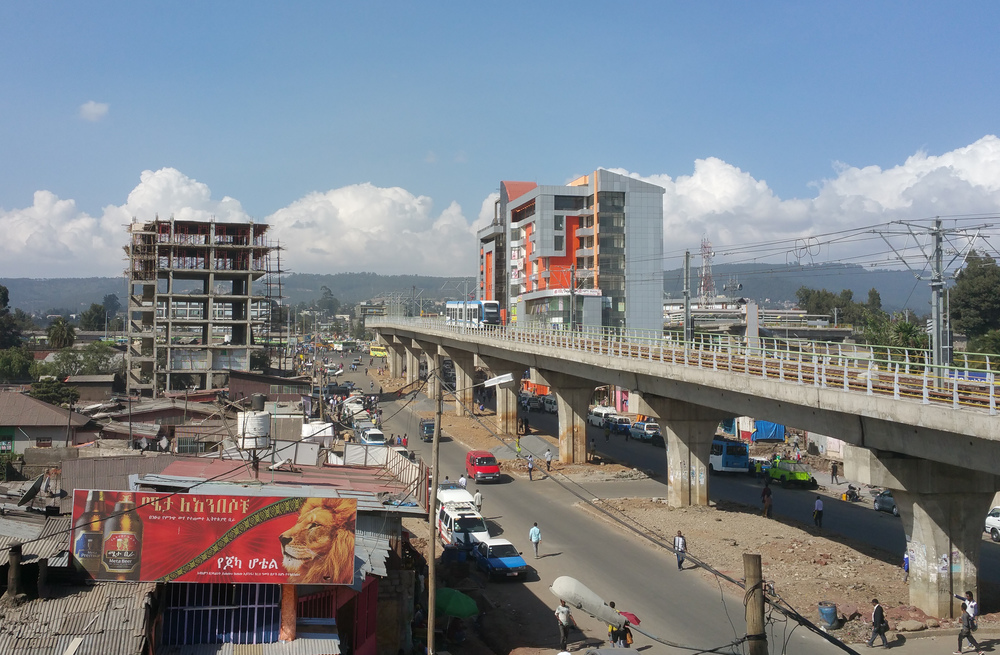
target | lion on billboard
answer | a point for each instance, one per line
(319, 548)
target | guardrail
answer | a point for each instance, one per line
(903, 373)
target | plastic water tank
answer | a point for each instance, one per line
(254, 424)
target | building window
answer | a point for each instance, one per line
(43, 442)
(213, 613)
(191, 446)
(6, 445)
(557, 223)
(568, 203)
(558, 242)
(609, 201)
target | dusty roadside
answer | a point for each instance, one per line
(804, 565)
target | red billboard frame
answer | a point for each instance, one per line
(164, 537)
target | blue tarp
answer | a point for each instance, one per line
(729, 425)
(767, 431)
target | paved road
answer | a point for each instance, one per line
(854, 520)
(675, 605)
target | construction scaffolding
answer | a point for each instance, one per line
(194, 309)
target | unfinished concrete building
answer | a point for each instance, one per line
(196, 302)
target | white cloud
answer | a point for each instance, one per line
(733, 208)
(392, 231)
(93, 111)
(367, 228)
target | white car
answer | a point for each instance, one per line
(993, 524)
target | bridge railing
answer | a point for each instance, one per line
(903, 373)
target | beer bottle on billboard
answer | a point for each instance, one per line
(122, 542)
(88, 535)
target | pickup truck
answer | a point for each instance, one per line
(643, 430)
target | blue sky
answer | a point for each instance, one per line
(346, 125)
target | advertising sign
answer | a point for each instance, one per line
(163, 537)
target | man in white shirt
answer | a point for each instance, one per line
(818, 512)
(478, 500)
(565, 619)
(548, 459)
(971, 606)
(680, 548)
(462, 481)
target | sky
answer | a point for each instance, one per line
(374, 136)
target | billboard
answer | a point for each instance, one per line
(164, 537)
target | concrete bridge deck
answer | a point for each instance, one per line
(930, 434)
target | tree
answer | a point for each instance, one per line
(61, 334)
(874, 299)
(54, 392)
(10, 333)
(975, 300)
(328, 302)
(111, 304)
(92, 319)
(15, 364)
(988, 343)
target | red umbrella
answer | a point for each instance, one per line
(632, 618)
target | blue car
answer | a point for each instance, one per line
(499, 559)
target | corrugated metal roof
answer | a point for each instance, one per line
(80, 379)
(109, 473)
(138, 429)
(50, 539)
(107, 618)
(20, 410)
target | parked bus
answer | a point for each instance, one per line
(473, 313)
(729, 456)
(378, 351)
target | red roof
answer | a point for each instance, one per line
(226, 471)
(517, 189)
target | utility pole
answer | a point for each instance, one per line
(835, 321)
(432, 506)
(754, 580)
(572, 297)
(940, 334)
(688, 323)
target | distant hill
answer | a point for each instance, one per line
(769, 285)
(77, 294)
(774, 285)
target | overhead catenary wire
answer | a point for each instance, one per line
(649, 534)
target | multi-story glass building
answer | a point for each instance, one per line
(585, 254)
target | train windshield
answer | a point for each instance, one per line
(491, 312)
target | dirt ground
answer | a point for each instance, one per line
(802, 564)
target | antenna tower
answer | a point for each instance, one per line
(706, 285)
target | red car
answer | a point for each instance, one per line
(482, 466)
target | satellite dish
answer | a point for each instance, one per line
(32, 491)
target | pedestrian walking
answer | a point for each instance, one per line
(535, 536)
(548, 459)
(565, 619)
(607, 432)
(906, 565)
(818, 512)
(879, 626)
(593, 449)
(517, 446)
(968, 625)
(972, 607)
(833, 474)
(477, 500)
(680, 549)
(765, 499)
(531, 467)
(462, 482)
